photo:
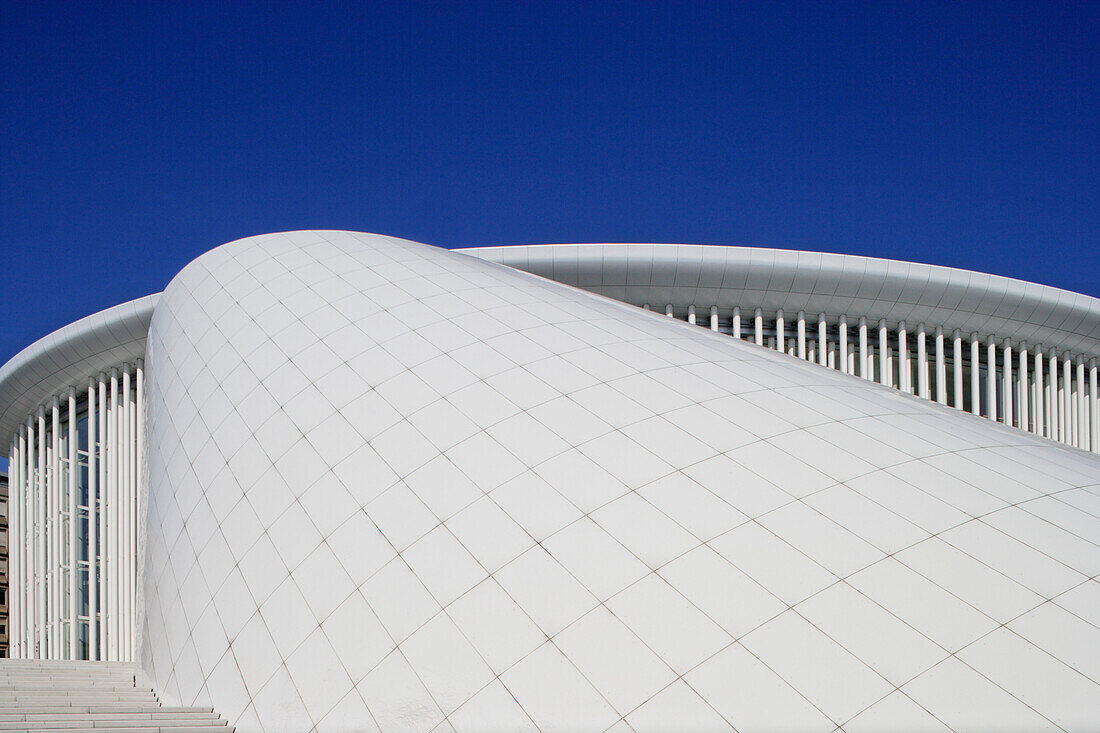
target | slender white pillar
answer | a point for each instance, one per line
(691, 315)
(1006, 384)
(1094, 410)
(31, 589)
(104, 594)
(780, 335)
(822, 339)
(923, 389)
(957, 369)
(736, 320)
(864, 355)
(16, 533)
(758, 326)
(842, 338)
(1082, 407)
(74, 517)
(139, 469)
(1041, 402)
(53, 484)
(1022, 389)
(884, 376)
(801, 335)
(941, 367)
(29, 564)
(129, 510)
(1068, 408)
(975, 376)
(93, 586)
(903, 359)
(991, 379)
(112, 536)
(43, 558)
(13, 549)
(125, 446)
(668, 310)
(1057, 420)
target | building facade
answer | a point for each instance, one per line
(339, 481)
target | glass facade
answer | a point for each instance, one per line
(75, 466)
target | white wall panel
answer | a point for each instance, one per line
(410, 398)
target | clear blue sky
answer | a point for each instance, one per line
(133, 137)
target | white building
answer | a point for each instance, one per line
(341, 481)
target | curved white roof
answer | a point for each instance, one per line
(817, 282)
(66, 358)
(398, 487)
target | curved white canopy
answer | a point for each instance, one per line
(817, 282)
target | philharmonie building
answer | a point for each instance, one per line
(337, 481)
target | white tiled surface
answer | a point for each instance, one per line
(394, 487)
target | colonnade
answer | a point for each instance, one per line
(73, 516)
(1044, 390)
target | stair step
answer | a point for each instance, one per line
(182, 729)
(132, 714)
(96, 709)
(91, 697)
(119, 722)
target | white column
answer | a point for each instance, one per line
(53, 482)
(1094, 411)
(30, 543)
(991, 379)
(13, 550)
(16, 533)
(1069, 411)
(941, 368)
(668, 310)
(822, 339)
(842, 334)
(125, 509)
(922, 363)
(801, 335)
(884, 376)
(1057, 420)
(903, 359)
(864, 356)
(1006, 384)
(43, 635)
(957, 369)
(736, 320)
(691, 315)
(74, 515)
(780, 332)
(104, 542)
(975, 376)
(1040, 394)
(93, 586)
(1023, 388)
(758, 325)
(1082, 407)
(112, 535)
(139, 468)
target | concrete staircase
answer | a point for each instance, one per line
(76, 697)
